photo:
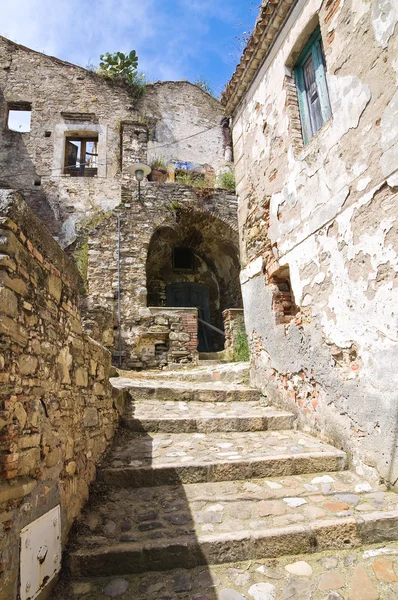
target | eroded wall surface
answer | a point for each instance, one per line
(184, 124)
(207, 224)
(57, 414)
(327, 214)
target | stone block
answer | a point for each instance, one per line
(90, 418)
(98, 389)
(16, 284)
(29, 441)
(27, 364)
(18, 488)
(8, 302)
(13, 330)
(54, 286)
(81, 377)
(29, 461)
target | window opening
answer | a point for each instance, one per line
(183, 259)
(19, 117)
(313, 95)
(81, 156)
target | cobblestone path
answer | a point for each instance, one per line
(208, 493)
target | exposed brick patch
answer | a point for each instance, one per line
(293, 111)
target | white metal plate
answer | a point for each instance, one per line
(40, 557)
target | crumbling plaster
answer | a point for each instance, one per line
(332, 221)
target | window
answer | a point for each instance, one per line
(19, 114)
(81, 156)
(183, 259)
(310, 71)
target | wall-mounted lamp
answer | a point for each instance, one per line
(139, 171)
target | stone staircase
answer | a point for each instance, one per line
(204, 474)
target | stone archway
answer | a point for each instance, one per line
(211, 264)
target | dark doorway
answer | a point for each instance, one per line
(196, 295)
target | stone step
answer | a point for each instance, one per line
(190, 417)
(356, 573)
(150, 389)
(207, 371)
(140, 459)
(188, 525)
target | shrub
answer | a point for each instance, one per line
(196, 181)
(226, 180)
(158, 162)
(241, 346)
(204, 84)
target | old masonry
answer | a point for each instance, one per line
(198, 384)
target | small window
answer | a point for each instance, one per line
(310, 71)
(81, 156)
(183, 259)
(19, 115)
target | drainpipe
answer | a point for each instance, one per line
(118, 291)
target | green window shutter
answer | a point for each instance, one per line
(320, 76)
(312, 94)
(303, 105)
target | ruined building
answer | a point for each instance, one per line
(213, 482)
(66, 146)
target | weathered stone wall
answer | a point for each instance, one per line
(57, 415)
(234, 326)
(205, 223)
(184, 124)
(318, 227)
(171, 336)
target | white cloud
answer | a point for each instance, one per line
(169, 36)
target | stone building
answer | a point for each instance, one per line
(314, 102)
(67, 139)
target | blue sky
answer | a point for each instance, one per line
(173, 39)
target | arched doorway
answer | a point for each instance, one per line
(193, 261)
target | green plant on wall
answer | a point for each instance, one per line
(123, 67)
(193, 180)
(241, 352)
(226, 180)
(158, 162)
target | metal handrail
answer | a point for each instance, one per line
(211, 327)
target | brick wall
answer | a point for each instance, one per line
(57, 415)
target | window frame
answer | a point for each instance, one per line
(312, 48)
(83, 169)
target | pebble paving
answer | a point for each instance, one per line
(192, 410)
(367, 573)
(138, 515)
(159, 449)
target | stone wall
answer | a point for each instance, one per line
(57, 416)
(207, 224)
(234, 327)
(183, 123)
(171, 337)
(318, 230)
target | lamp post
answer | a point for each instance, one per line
(139, 171)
